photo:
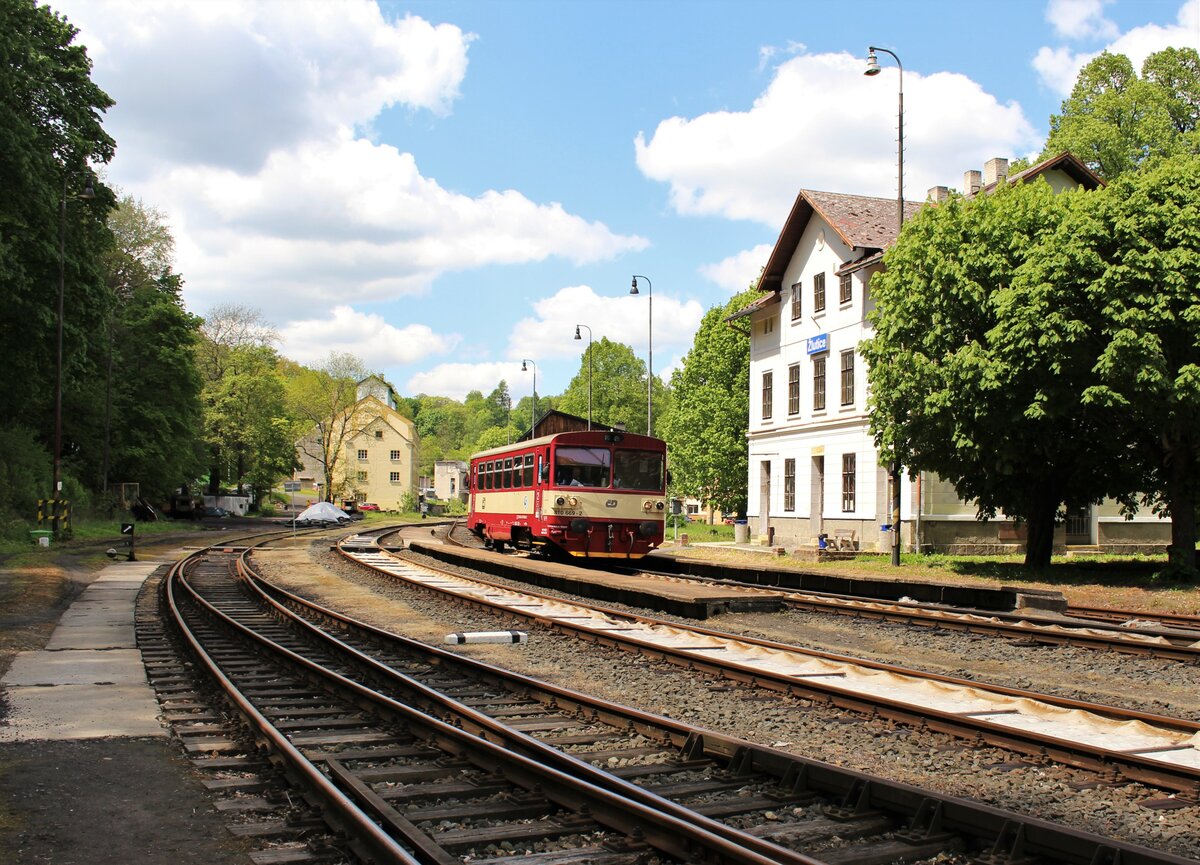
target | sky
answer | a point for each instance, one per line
(445, 189)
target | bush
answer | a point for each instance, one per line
(409, 503)
(25, 469)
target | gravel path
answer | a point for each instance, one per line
(926, 759)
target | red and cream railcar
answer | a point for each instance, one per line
(593, 494)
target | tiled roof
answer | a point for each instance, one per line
(866, 223)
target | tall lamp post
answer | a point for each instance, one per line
(55, 489)
(873, 69)
(533, 407)
(649, 348)
(589, 354)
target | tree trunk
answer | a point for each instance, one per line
(214, 472)
(1181, 504)
(1040, 543)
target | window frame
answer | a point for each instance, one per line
(393, 477)
(797, 301)
(768, 393)
(818, 292)
(362, 454)
(789, 485)
(849, 482)
(845, 288)
(820, 375)
(794, 389)
(847, 379)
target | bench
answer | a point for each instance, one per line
(844, 539)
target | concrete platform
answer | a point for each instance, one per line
(679, 597)
(89, 681)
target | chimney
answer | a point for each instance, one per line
(938, 194)
(972, 182)
(994, 170)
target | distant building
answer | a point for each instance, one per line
(813, 464)
(450, 481)
(378, 460)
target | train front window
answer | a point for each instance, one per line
(582, 467)
(638, 470)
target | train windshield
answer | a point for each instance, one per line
(638, 470)
(582, 467)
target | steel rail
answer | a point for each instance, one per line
(960, 816)
(1114, 614)
(1157, 773)
(340, 810)
(481, 724)
(661, 830)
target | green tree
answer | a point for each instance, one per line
(705, 429)
(322, 401)
(1115, 121)
(618, 379)
(980, 378)
(1131, 256)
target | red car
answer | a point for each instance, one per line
(368, 506)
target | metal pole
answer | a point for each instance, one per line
(62, 266)
(649, 349)
(589, 354)
(533, 406)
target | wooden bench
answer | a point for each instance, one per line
(844, 539)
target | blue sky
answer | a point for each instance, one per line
(446, 188)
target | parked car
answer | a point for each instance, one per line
(368, 506)
(211, 511)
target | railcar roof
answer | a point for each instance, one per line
(573, 437)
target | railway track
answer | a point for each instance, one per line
(415, 754)
(1150, 748)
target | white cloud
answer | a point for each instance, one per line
(625, 318)
(366, 336)
(226, 82)
(1080, 19)
(749, 164)
(1059, 67)
(736, 272)
(456, 380)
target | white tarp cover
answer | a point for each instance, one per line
(323, 512)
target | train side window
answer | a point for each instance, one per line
(528, 479)
(487, 469)
(508, 473)
(516, 473)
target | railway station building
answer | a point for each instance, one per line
(378, 461)
(813, 466)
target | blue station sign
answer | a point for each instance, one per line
(818, 343)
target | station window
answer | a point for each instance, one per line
(794, 389)
(789, 485)
(845, 289)
(796, 303)
(848, 377)
(768, 385)
(819, 383)
(848, 482)
(395, 455)
(819, 292)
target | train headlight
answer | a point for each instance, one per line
(573, 502)
(646, 506)
(658, 506)
(560, 501)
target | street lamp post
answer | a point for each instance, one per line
(533, 407)
(56, 484)
(873, 69)
(649, 348)
(589, 354)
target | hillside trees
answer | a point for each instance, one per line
(618, 378)
(706, 427)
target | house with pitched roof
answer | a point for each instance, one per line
(813, 466)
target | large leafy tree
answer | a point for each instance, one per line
(50, 136)
(1115, 120)
(618, 381)
(1131, 256)
(981, 378)
(705, 429)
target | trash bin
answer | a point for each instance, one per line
(41, 537)
(741, 532)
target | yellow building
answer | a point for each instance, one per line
(376, 458)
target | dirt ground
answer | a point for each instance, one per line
(99, 801)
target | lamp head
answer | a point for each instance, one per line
(89, 191)
(872, 63)
(577, 336)
(634, 290)
(523, 367)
